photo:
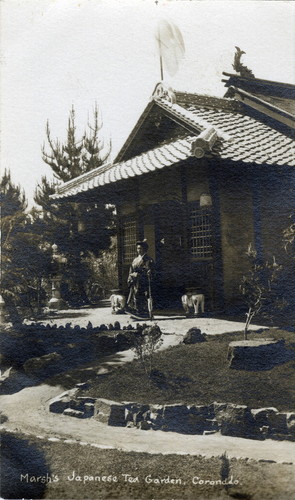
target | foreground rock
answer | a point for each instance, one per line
(194, 336)
(227, 418)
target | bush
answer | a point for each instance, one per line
(146, 345)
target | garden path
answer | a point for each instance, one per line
(27, 412)
(174, 323)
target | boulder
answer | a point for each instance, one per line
(193, 336)
(255, 354)
(63, 401)
(144, 425)
(88, 410)
(235, 420)
(271, 419)
(42, 365)
(109, 412)
(79, 402)
(175, 418)
(278, 423)
(199, 419)
(262, 415)
(70, 412)
(291, 423)
(135, 412)
(156, 416)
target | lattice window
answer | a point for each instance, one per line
(129, 233)
(200, 231)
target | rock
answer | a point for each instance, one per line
(135, 412)
(86, 399)
(261, 415)
(73, 413)
(79, 402)
(212, 424)
(291, 423)
(144, 425)
(235, 420)
(198, 419)
(175, 418)
(193, 336)
(62, 402)
(109, 412)
(264, 431)
(156, 416)
(88, 410)
(216, 407)
(271, 419)
(278, 423)
(42, 365)
(255, 354)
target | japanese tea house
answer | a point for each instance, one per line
(200, 178)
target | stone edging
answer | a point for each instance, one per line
(227, 418)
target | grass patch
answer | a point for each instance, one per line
(199, 374)
(256, 481)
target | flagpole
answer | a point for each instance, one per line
(161, 68)
(161, 61)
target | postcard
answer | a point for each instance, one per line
(147, 288)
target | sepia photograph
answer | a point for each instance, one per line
(147, 297)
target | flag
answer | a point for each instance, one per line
(171, 46)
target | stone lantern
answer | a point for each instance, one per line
(58, 260)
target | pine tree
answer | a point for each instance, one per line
(76, 156)
(76, 228)
(23, 261)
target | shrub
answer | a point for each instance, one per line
(146, 345)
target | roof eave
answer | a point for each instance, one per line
(264, 107)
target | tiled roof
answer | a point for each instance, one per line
(156, 159)
(241, 138)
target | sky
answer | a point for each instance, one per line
(56, 54)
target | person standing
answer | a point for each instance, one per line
(139, 282)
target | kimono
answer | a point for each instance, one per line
(139, 282)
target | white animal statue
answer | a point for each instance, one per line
(193, 302)
(118, 303)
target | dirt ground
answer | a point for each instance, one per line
(175, 323)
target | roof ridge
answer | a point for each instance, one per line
(208, 100)
(257, 80)
(199, 124)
